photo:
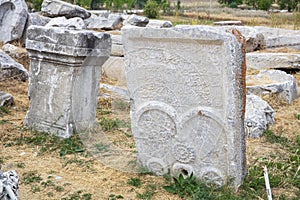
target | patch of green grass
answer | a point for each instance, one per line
(4, 109)
(3, 121)
(120, 104)
(273, 138)
(35, 189)
(78, 196)
(59, 188)
(48, 183)
(297, 116)
(102, 147)
(115, 197)
(108, 124)
(150, 190)
(31, 177)
(50, 143)
(21, 165)
(1, 160)
(136, 182)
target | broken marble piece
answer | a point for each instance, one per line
(65, 68)
(117, 46)
(228, 23)
(13, 16)
(11, 69)
(75, 23)
(9, 185)
(114, 69)
(259, 115)
(254, 40)
(159, 23)
(276, 82)
(277, 37)
(14, 51)
(57, 8)
(136, 20)
(262, 60)
(6, 99)
(187, 101)
(112, 22)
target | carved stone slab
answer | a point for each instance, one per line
(65, 69)
(187, 101)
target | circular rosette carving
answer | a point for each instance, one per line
(157, 166)
(184, 153)
(184, 169)
(213, 176)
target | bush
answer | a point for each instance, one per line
(264, 4)
(151, 9)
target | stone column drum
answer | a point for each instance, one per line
(65, 70)
(187, 101)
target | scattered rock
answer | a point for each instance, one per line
(276, 37)
(228, 23)
(57, 8)
(159, 24)
(13, 16)
(117, 46)
(273, 60)
(6, 99)
(136, 20)
(13, 51)
(37, 19)
(254, 40)
(75, 23)
(9, 185)
(34, 19)
(11, 69)
(114, 69)
(277, 82)
(259, 115)
(113, 21)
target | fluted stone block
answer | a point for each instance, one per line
(187, 100)
(65, 68)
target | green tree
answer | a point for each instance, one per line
(264, 4)
(34, 4)
(231, 3)
(290, 5)
(260, 4)
(151, 9)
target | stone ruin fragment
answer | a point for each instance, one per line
(187, 101)
(65, 70)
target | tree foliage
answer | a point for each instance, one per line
(151, 9)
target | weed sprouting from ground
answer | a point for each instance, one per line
(50, 143)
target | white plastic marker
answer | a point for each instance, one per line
(268, 188)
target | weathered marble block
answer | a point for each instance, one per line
(187, 101)
(13, 16)
(65, 68)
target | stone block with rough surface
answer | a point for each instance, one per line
(9, 68)
(13, 16)
(261, 60)
(254, 40)
(187, 101)
(57, 8)
(6, 99)
(65, 70)
(276, 37)
(259, 115)
(273, 82)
